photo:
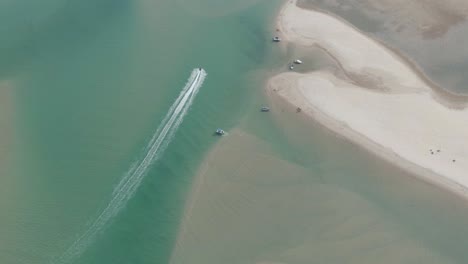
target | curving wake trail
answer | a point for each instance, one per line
(128, 185)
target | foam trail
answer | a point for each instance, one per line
(193, 77)
(128, 185)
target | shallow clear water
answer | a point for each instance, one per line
(89, 82)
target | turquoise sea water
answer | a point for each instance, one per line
(91, 81)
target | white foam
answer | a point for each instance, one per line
(128, 185)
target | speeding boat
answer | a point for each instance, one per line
(219, 132)
(298, 62)
(276, 39)
(265, 109)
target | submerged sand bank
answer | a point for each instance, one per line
(383, 104)
(248, 205)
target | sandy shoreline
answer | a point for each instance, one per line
(384, 105)
(444, 96)
(249, 205)
(295, 196)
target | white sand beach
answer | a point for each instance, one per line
(253, 201)
(383, 104)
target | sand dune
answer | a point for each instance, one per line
(383, 105)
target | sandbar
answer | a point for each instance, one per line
(382, 104)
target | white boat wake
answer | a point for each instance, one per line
(128, 185)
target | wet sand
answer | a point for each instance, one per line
(383, 104)
(429, 33)
(430, 18)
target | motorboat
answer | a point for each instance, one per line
(298, 62)
(276, 39)
(265, 109)
(219, 132)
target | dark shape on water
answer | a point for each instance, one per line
(298, 110)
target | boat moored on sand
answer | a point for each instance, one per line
(276, 39)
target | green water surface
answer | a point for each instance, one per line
(92, 80)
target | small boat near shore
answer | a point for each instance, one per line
(265, 109)
(276, 39)
(219, 132)
(298, 62)
(291, 67)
